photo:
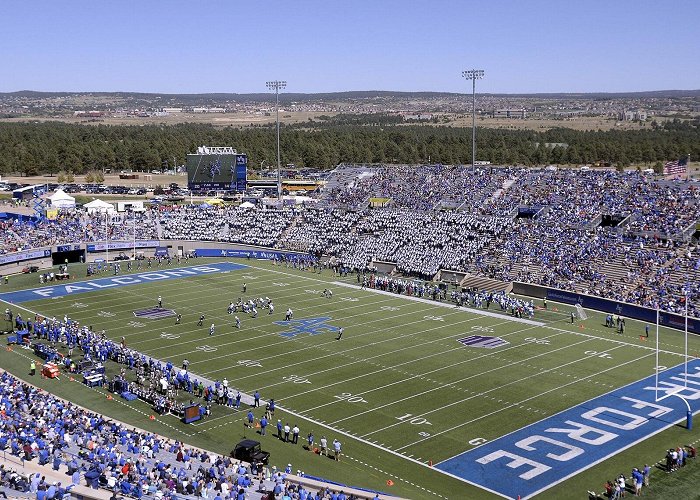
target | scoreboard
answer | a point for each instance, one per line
(217, 168)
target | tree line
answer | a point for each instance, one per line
(34, 148)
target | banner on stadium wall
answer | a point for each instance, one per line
(253, 254)
(611, 306)
(120, 245)
(27, 255)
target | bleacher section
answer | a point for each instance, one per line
(607, 233)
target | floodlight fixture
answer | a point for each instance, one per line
(473, 75)
(277, 85)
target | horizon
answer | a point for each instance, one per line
(537, 47)
(466, 94)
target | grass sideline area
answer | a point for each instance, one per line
(363, 388)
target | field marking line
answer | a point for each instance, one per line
(518, 362)
(374, 332)
(128, 291)
(587, 466)
(581, 379)
(477, 358)
(336, 367)
(259, 328)
(482, 312)
(564, 331)
(615, 341)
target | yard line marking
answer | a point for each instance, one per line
(412, 361)
(172, 299)
(332, 353)
(481, 373)
(526, 399)
(246, 339)
(443, 304)
(383, 368)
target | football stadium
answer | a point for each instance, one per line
(483, 332)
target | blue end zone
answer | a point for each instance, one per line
(116, 281)
(545, 453)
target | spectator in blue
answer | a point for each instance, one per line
(263, 424)
(251, 418)
(256, 402)
(51, 491)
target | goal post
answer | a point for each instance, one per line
(580, 312)
(657, 369)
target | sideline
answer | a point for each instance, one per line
(444, 304)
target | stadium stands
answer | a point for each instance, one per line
(616, 235)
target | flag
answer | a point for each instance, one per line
(679, 166)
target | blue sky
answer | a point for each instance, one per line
(336, 45)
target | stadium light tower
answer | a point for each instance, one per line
(473, 75)
(277, 85)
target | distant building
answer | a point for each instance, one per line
(510, 113)
(89, 114)
(208, 110)
(418, 117)
(631, 115)
(172, 110)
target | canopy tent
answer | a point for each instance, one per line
(214, 202)
(99, 206)
(60, 199)
(246, 204)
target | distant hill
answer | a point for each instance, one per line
(195, 99)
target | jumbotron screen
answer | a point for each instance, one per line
(217, 171)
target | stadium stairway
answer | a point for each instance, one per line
(481, 283)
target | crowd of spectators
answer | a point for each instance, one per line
(75, 226)
(542, 226)
(101, 453)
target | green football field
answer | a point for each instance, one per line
(398, 390)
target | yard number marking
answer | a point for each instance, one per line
(170, 336)
(434, 318)
(477, 328)
(249, 362)
(389, 308)
(346, 396)
(206, 348)
(106, 314)
(597, 354)
(296, 379)
(408, 417)
(79, 305)
(537, 341)
(135, 324)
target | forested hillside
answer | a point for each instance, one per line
(32, 148)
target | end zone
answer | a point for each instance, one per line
(116, 281)
(541, 455)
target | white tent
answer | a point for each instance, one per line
(60, 199)
(246, 204)
(99, 206)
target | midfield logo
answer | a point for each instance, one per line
(483, 341)
(310, 326)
